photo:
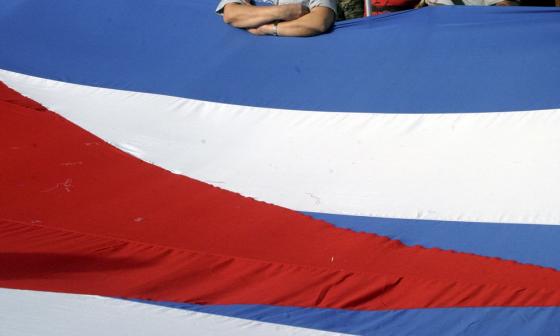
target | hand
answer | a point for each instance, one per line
(293, 11)
(507, 3)
(266, 29)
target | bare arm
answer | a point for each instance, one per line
(248, 16)
(318, 21)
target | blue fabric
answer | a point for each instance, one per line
(530, 244)
(418, 322)
(438, 59)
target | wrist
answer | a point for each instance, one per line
(274, 31)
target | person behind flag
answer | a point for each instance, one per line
(279, 17)
(471, 2)
(350, 9)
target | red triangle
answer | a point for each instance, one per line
(78, 215)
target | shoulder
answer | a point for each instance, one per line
(223, 3)
(323, 3)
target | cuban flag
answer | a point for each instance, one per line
(162, 173)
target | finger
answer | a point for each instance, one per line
(254, 31)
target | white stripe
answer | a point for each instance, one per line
(487, 167)
(42, 313)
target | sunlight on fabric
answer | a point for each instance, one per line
(484, 167)
(25, 312)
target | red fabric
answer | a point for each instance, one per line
(388, 6)
(395, 3)
(79, 216)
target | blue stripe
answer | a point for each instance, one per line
(430, 60)
(418, 322)
(532, 244)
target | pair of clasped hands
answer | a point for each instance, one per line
(288, 12)
(281, 20)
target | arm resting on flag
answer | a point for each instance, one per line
(318, 21)
(249, 16)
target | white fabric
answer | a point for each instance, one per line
(33, 313)
(484, 167)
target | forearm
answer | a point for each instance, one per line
(317, 22)
(248, 16)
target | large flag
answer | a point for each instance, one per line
(164, 173)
